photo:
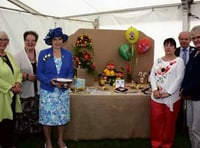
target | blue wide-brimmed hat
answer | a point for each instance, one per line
(57, 32)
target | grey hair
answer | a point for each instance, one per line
(195, 29)
(2, 33)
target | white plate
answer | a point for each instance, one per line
(64, 80)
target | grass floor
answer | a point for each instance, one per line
(38, 142)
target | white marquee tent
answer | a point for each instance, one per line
(158, 19)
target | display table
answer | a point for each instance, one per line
(108, 116)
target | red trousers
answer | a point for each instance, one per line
(163, 124)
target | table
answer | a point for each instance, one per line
(108, 116)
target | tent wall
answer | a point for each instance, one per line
(195, 11)
(16, 23)
(158, 23)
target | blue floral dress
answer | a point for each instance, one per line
(54, 106)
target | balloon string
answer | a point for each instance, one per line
(136, 59)
(127, 55)
(131, 61)
(128, 68)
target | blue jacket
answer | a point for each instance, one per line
(191, 81)
(46, 69)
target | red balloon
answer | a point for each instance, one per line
(143, 45)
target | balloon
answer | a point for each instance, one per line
(143, 45)
(126, 52)
(132, 35)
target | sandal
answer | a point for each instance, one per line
(45, 145)
(63, 145)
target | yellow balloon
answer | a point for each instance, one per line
(132, 35)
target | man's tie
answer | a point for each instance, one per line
(184, 55)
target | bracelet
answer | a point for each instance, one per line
(27, 75)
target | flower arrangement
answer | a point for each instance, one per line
(83, 53)
(84, 41)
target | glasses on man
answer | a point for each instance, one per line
(4, 40)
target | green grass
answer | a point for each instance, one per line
(38, 142)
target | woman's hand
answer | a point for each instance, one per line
(31, 77)
(156, 94)
(164, 95)
(54, 83)
(17, 88)
(60, 84)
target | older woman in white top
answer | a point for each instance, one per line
(165, 78)
(27, 122)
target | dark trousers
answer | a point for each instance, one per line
(7, 129)
(181, 126)
(7, 133)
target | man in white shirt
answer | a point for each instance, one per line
(184, 40)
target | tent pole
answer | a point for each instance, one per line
(185, 24)
(125, 10)
(185, 13)
(23, 6)
(43, 15)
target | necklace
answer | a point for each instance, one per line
(57, 53)
(31, 55)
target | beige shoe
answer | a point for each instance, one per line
(45, 146)
(63, 145)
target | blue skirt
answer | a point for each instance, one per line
(54, 107)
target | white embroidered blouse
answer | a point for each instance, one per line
(167, 76)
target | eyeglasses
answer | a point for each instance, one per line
(4, 40)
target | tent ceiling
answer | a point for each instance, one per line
(67, 8)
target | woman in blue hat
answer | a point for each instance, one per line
(53, 63)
